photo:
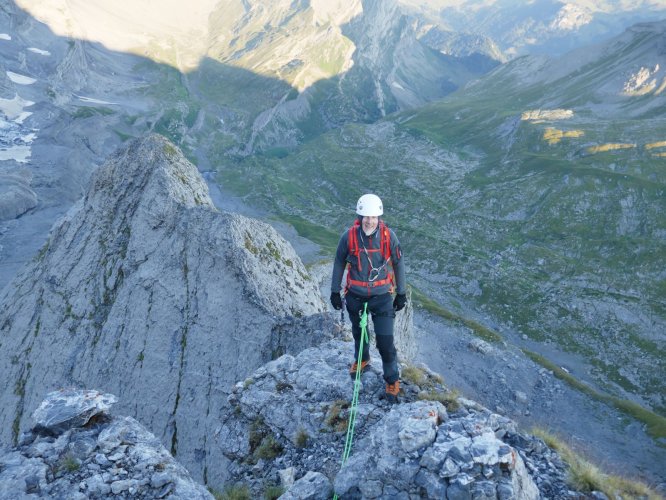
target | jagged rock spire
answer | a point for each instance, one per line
(146, 291)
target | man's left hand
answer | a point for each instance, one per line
(399, 301)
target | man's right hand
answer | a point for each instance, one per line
(336, 301)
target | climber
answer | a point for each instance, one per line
(373, 257)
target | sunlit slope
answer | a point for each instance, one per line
(255, 76)
(524, 201)
(541, 26)
(354, 63)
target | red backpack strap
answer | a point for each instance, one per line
(385, 240)
(352, 238)
(352, 241)
(385, 247)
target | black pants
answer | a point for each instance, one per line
(381, 308)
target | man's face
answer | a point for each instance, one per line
(369, 224)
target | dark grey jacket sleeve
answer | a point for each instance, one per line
(339, 263)
(398, 265)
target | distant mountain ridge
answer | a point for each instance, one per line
(366, 49)
(550, 27)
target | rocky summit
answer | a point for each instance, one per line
(146, 291)
(283, 434)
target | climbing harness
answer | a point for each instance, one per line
(374, 271)
(357, 386)
(384, 249)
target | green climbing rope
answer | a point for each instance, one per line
(357, 386)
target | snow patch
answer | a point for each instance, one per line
(570, 17)
(39, 51)
(20, 79)
(641, 82)
(20, 154)
(13, 108)
(15, 140)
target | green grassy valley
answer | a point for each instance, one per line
(548, 227)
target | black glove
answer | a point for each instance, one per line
(399, 301)
(336, 301)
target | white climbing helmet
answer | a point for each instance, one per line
(369, 205)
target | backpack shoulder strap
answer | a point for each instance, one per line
(385, 240)
(352, 243)
(352, 238)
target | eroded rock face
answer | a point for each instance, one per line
(69, 455)
(16, 195)
(146, 291)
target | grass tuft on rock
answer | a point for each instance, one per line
(234, 492)
(448, 398)
(656, 424)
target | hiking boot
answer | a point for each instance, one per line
(354, 367)
(392, 391)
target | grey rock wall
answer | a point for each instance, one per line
(146, 291)
(16, 195)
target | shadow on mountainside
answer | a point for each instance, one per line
(88, 100)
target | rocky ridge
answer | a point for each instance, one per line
(285, 430)
(545, 26)
(146, 291)
(287, 424)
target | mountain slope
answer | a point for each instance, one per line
(292, 72)
(273, 75)
(531, 200)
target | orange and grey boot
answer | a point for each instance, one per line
(354, 368)
(392, 391)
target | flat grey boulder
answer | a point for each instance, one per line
(68, 408)
(312, 486)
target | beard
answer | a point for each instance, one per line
(370, 231)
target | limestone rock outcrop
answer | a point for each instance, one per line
(16, 195)
(287, 424)
(146, 291)
(78, 451)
